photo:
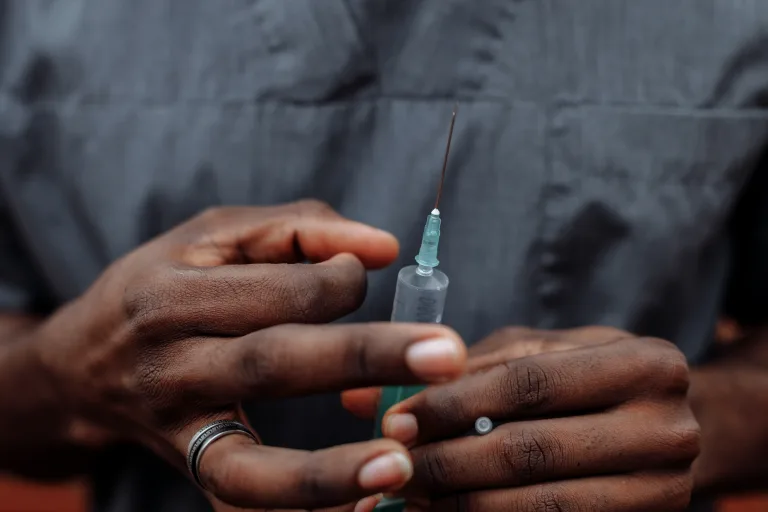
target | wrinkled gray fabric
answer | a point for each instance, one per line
(600, 150)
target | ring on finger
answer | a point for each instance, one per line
(206, 436)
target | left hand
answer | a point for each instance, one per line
(586, 419)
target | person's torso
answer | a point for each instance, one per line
(599, 149)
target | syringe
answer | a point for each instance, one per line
(419, 297)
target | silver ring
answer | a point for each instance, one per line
(483, 425)
(205, 437)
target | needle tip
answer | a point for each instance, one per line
(447, 151)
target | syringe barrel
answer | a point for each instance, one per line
(419, 297)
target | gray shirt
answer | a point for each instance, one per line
(601, 150)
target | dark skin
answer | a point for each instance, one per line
(594, 418)
(591, 419)
(730, 399)
(217, 311)
(623, 427)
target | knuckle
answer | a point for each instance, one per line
(358, 363)
(259, 370)
(154, 383)
(311, 483)
(515, 341)
(665, 365)
(443, 407)
(685, 440)
(316, 294)
(339, 290)
(532, 387)
(305, 297)
(675, 373)
(351, 283)
(552, 499)
(430, 463)
(530, 454)
(678, 491)
(515, 332)
(211, 215)
(602, 333)
(197, 230)
(148, 301)
(313, 207)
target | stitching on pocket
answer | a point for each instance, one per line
(316, 50)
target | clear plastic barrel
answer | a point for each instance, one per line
(420, 297)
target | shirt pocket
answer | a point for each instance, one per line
(314, 51)
(637, 204)
(664, 172)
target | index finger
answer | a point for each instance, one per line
(553, 383)
(296, 360)
(305, 230)
(501, 346)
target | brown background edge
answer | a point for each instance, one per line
(17, 496)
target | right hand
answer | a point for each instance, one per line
(177, 333)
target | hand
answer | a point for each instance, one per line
(587, 419)
(177, 333)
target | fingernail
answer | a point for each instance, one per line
(367, 504)
(387, 471)
(434, 359)
(401, 427)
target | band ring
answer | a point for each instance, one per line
(206, 436)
